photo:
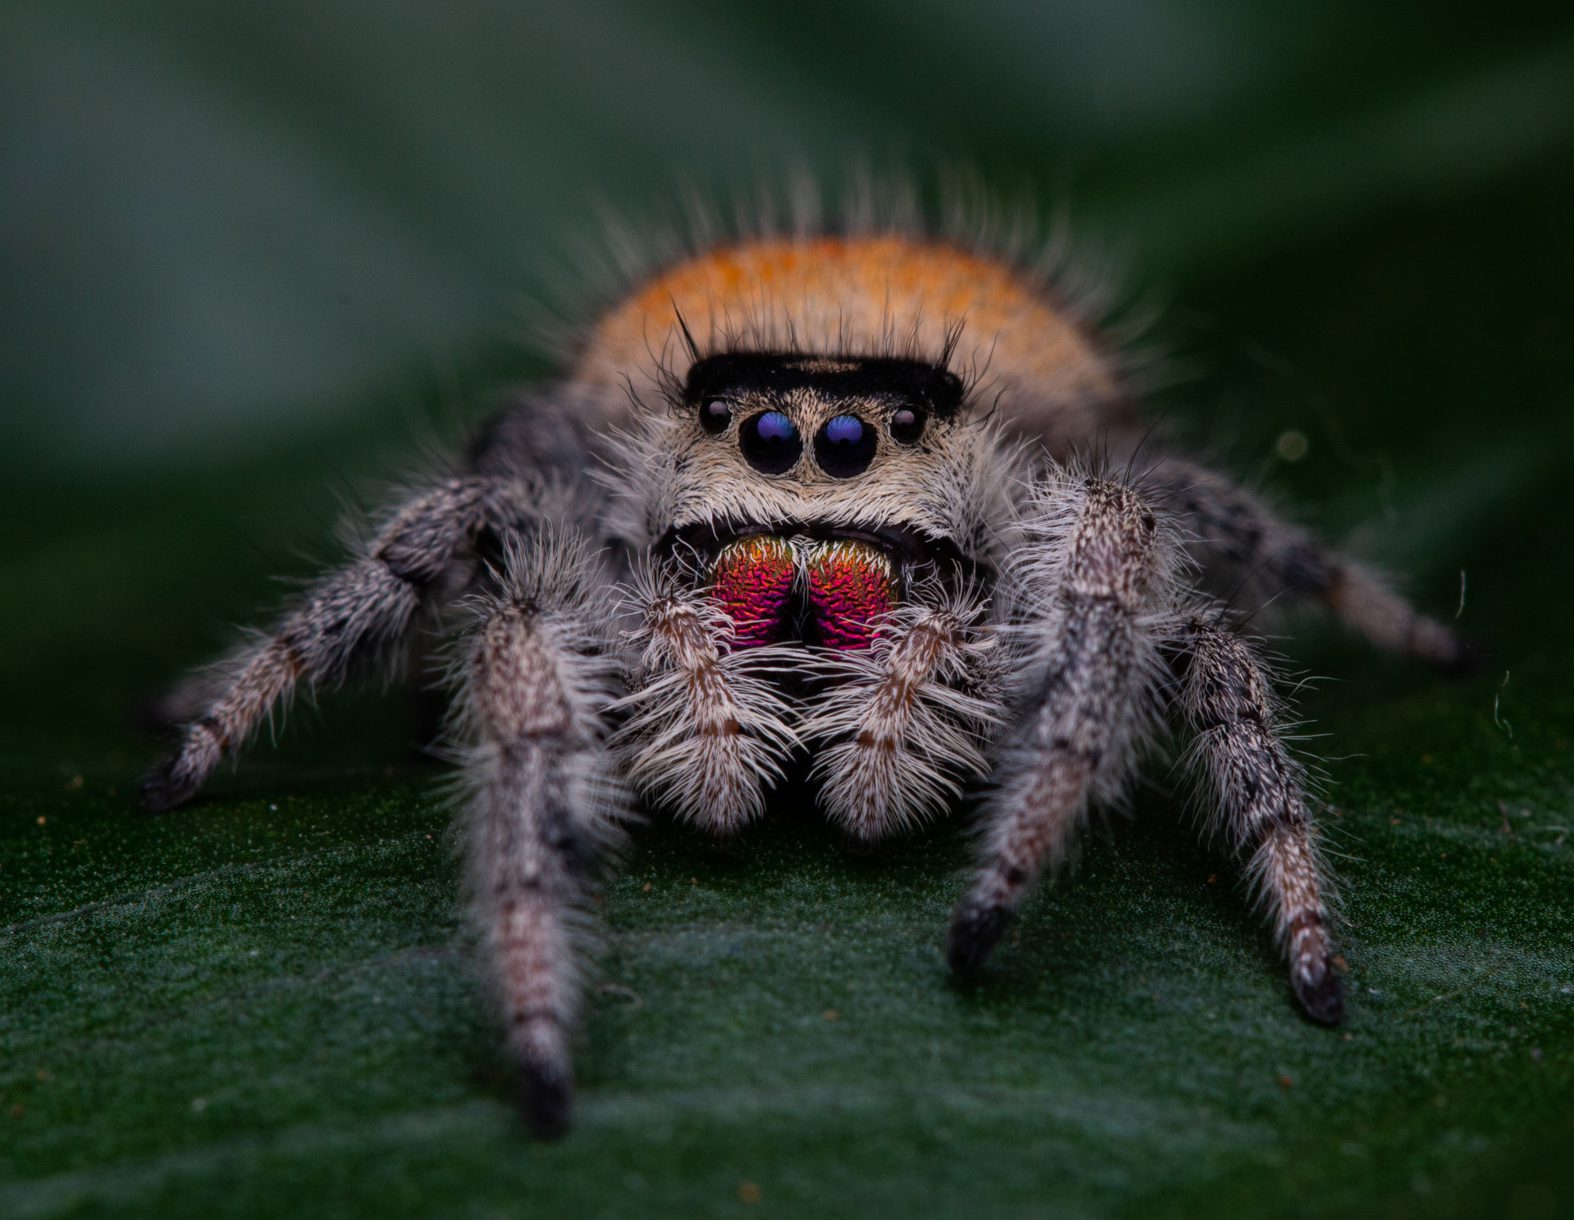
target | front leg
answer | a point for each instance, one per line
(1257, 796)
(535, 684)
(1096, 571)
(707, 731)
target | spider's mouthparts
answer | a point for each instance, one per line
(910, 550)
(754, 583)
(828, 593)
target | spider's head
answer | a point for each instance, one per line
(834, 479)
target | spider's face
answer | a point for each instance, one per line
(831, 475)
(801, 443)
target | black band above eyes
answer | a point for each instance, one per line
(931, 386)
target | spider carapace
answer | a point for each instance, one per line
(875, 505)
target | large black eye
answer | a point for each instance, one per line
(844, 447)
(907, 424)
(770, 442)
(715, 415)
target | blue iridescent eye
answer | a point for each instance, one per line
(844, 447)
(775, 426)
(845, 430)
(770, 442)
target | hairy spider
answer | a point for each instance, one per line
(820, 500)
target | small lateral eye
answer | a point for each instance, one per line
(907, 425)
(715, 415)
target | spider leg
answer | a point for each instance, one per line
(904, 721)
(707, 729)
(1096, 571)
(1240, 532)
(1257, 795)
(535, 682)
(358, 612)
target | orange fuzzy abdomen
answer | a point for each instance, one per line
(851, 295)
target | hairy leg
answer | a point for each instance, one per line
(707, 729)
(905, 720)
(1096, 570)
(1240, 532)
(358, 612)
(1256, 790)
(535, 683)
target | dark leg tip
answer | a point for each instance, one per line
(1322, 998)
(546, 1096)
(164, 789)
(974, 931)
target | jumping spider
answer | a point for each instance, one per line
(821, 502)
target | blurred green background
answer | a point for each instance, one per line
(255, 257)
